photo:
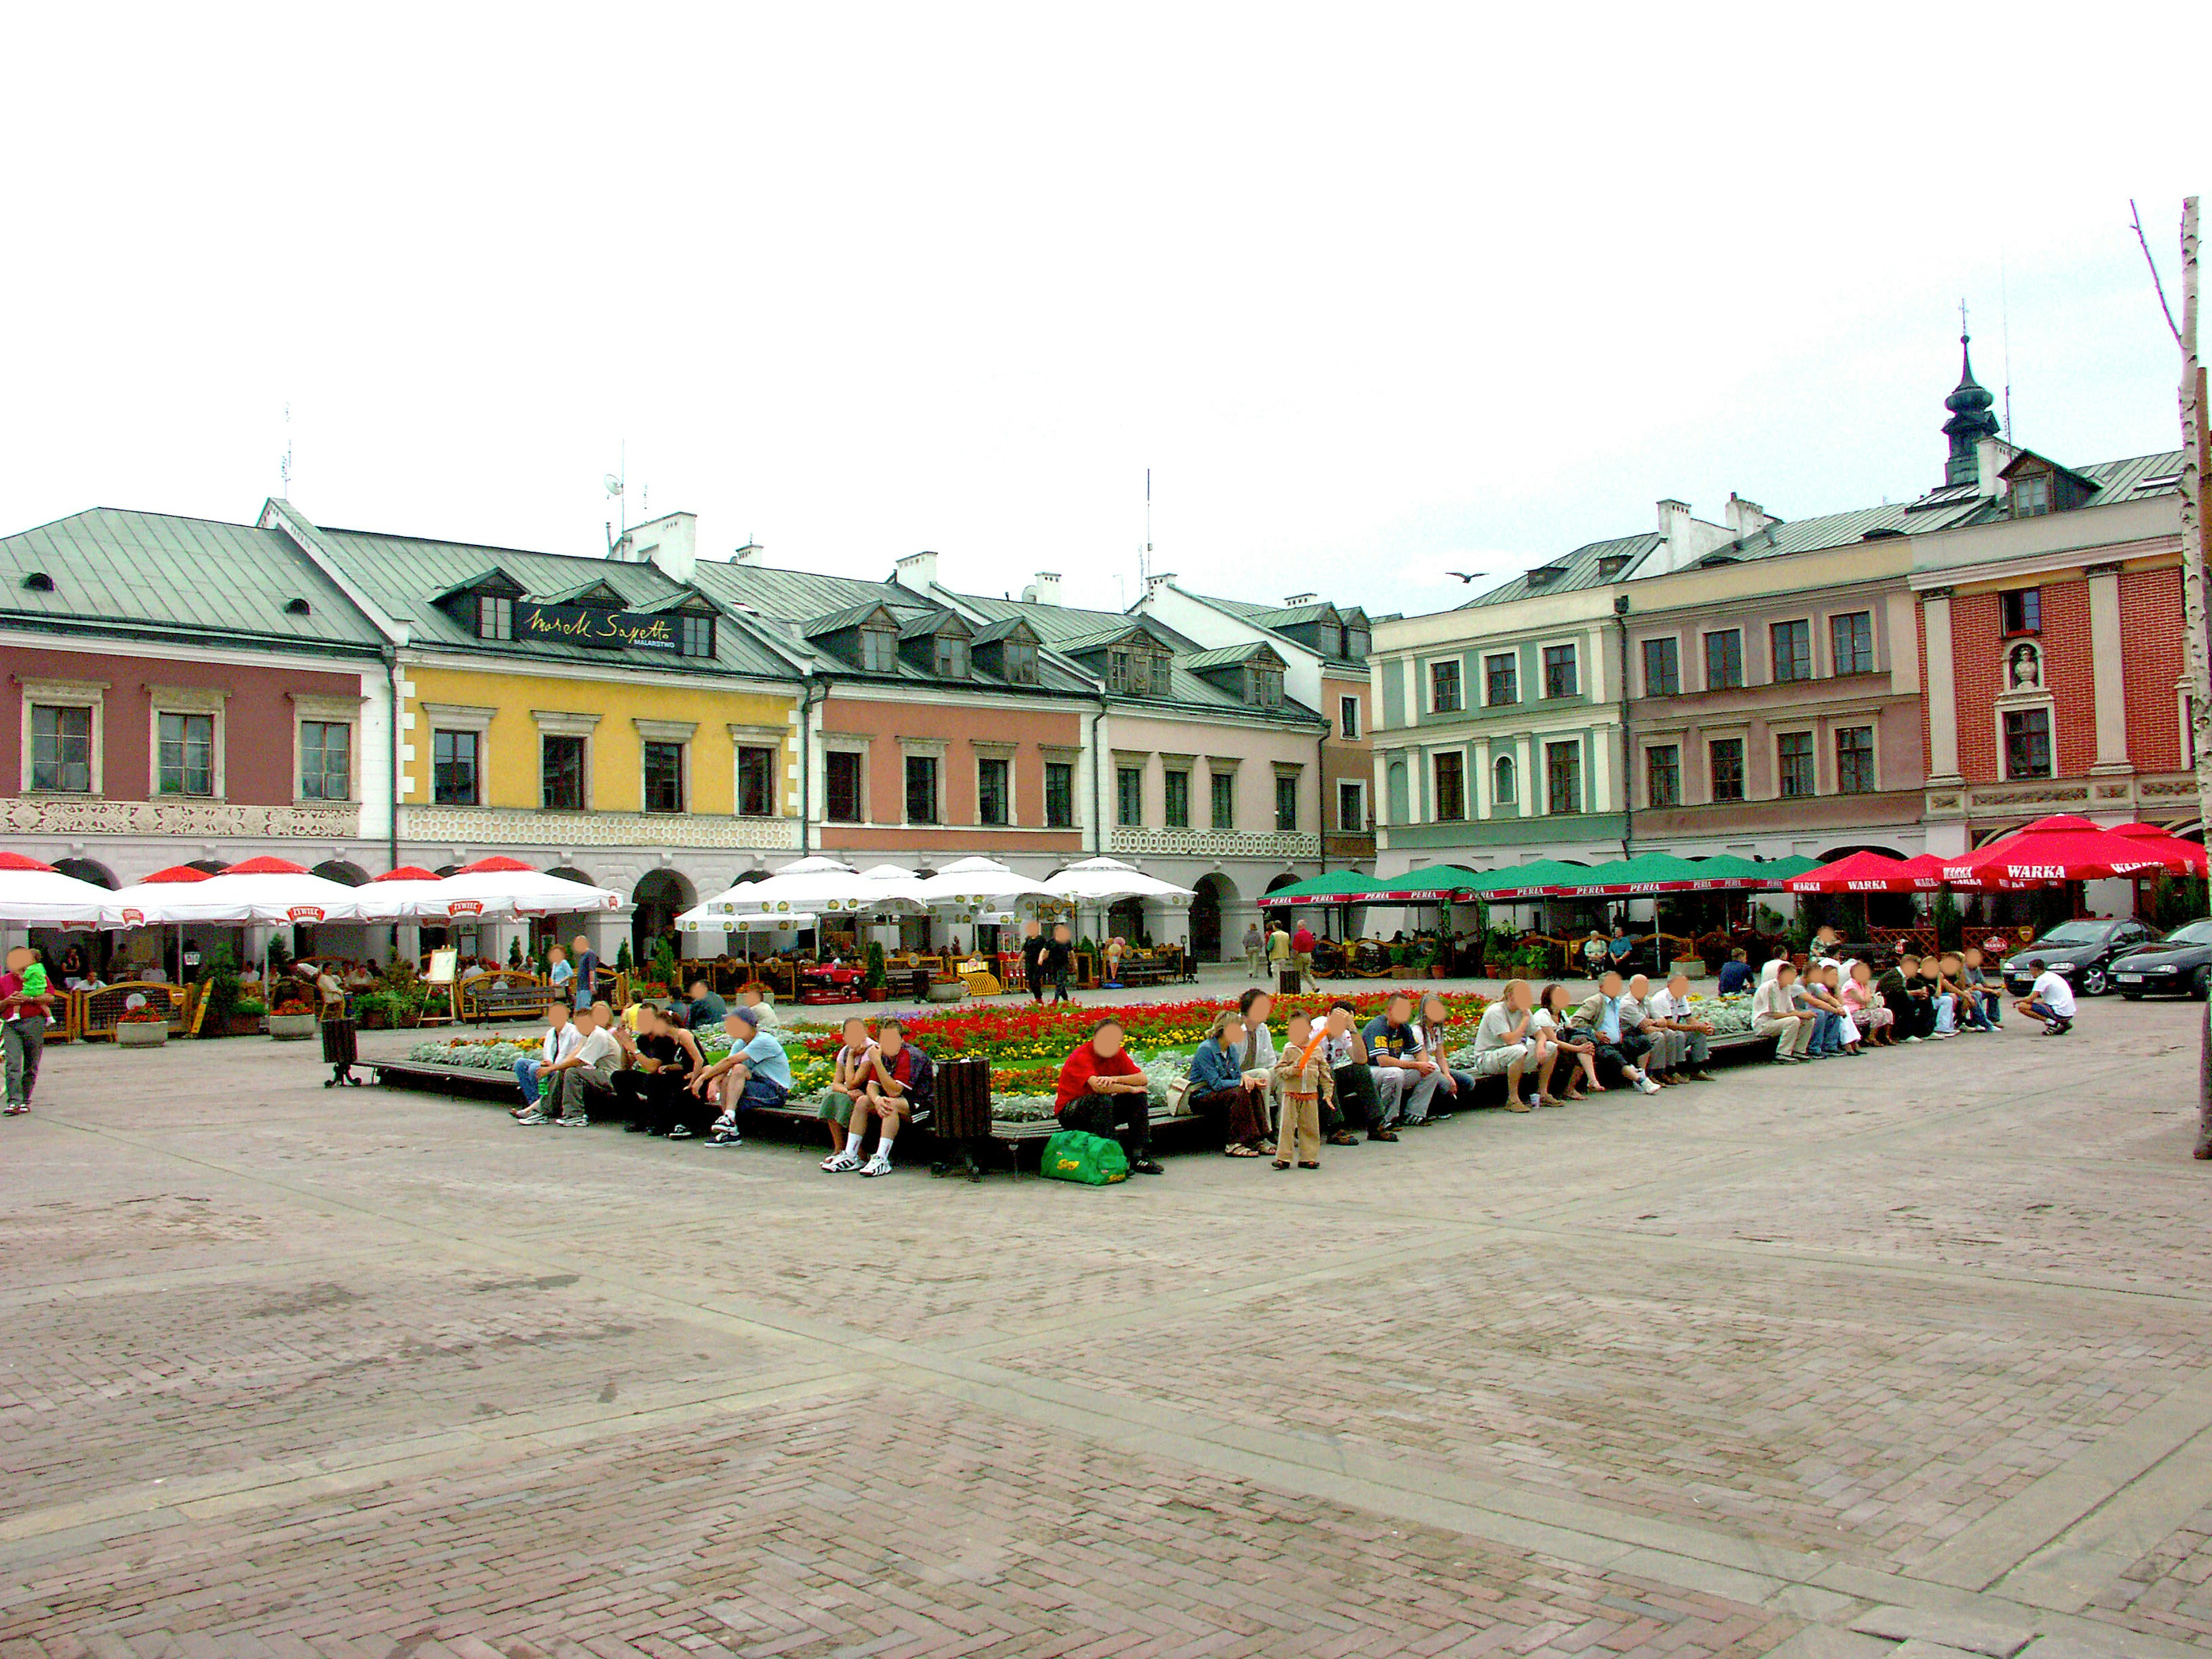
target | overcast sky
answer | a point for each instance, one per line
(1375, 293)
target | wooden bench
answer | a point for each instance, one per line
(482, 1003)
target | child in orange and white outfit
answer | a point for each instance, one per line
(1303, 1076)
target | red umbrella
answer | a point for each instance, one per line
(2178, 856)
(406, 872)
(1921, 875)
(2061, 847)
(1854, 872)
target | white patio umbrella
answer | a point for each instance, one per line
(981, 889)
(35, 895)
(503, 889)
(134, 903)
(1104, 881)
(401, 894)
(273, 892)
(817, 886)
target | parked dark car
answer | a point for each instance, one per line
(2180, 964)
(2080, 952)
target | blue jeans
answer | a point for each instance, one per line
(1829, 1033)
(1947, 1012)
(2043, 1011)
(1984, 1009)
(526, 1073)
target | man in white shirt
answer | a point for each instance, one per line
(1689, 1038)
(560, 1039)
(2051, 999)
(590, 1065)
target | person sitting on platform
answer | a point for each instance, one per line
(757, 998)
(900, 1084)
(650, 1090)
(1220, 1090)
(850, 1072)
(562, 1036)
(1103, 1092)
(755, 1072)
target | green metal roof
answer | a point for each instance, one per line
(156, 573)
(406, 575)
(1229, 656)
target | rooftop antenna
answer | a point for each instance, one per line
(284, 466)
(2004, 329)
(1144, 564)
(617, 483)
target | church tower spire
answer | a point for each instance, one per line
(1970, 420)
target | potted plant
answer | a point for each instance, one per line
(143, 1028)
(872, 986)
(374, 1010)
(223, 1012)
(944, 988)
(1440, 960)
(291, 1016)
(246, 1017)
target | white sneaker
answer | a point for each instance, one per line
(1645, 1085)
(877, 1165)
(837, 1162)
(727, 1120)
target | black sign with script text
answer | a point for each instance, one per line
(579, 624)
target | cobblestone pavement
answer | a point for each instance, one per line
(1906, 1354)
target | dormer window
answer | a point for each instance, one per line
(878, 650)
(1263, 687)
(1355, 643)
(2031, 496)
(952, 657)
(1137, 669)
(1019, 662)
(494, 617)
(695, 636)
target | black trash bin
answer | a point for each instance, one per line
(1286, 982)
(341, 1051)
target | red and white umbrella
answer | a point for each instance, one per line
(267, 891)
(35, 895)
(2061, 847)
(1871, 872)
(399, 895)
(502, 888)
(2176, 856)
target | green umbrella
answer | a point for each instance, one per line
(1339, 887)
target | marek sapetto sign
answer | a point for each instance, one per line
(577, 624)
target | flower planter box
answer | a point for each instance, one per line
(141, 1034)
(1693, 966)
(875, 993)
(240, 1025)
(950, 991)
(291, 1028)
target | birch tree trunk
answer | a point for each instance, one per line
(2193, 608)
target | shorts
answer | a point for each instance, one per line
(1496, 1062)
(837, 1107)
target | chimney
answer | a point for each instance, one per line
(1158, 581)
(669, 542)
(917, 571)
(1043, 590)
(1296, 600)
(1746, 517)
(750, 553)
(1673, 522)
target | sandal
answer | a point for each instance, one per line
(1344, 1138)
(1303, 1164)
(1282, 1164)
(1239, 1151)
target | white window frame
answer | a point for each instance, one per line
(185, 700)
(1812, 651)
(1705, 658)
(1581, 693)
(1643, 679)
(1483, 659)
(1011, 754)
(1837, 724)
(1428, 666)
(68, 693)
(1468, 801)
(457, 717)
(1218, 766)
(2017, 702)
(1348, 727)
(560, 723)
(1795, 729)
(1641, 783)
(1741, 736)
(923, 749)
(676, 732)
(1512, 758)
(769, 738)
(1366, 822)
(329, 711)
(1827, 640)
(836, 742)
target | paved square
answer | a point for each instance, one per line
(1909, 1349)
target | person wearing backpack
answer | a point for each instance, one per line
(1105, 1093)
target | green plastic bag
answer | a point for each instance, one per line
(1092, 1160)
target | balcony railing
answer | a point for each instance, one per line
(1280, 845)
(520, 826)
(89, 815)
